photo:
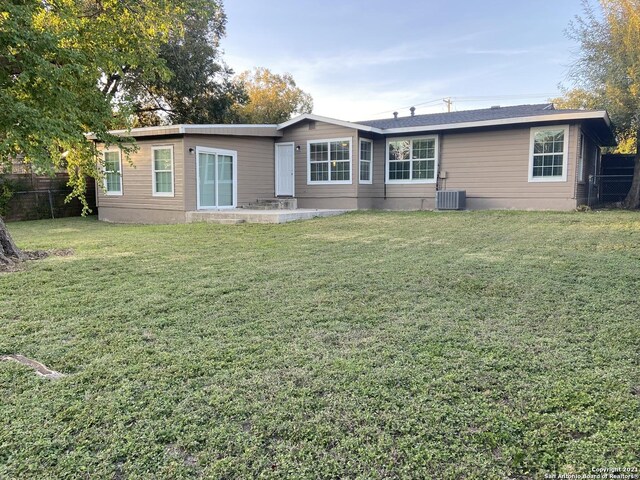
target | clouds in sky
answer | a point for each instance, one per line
(368, 74)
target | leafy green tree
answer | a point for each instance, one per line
(62, 68)
(607, 71)
(272, 98)
(578, 98)
(200, 88)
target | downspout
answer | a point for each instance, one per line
(384, 165)
(576, 170)
(437, 172)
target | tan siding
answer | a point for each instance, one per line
(398, 197)
(256, 165)
(495, 164)
(128, 214)
(368, 191)
(137, 186)
(300, 134)
(492, 166)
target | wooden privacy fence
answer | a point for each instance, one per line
(26, 196)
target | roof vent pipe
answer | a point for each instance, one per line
(413, 111)
(395, 115)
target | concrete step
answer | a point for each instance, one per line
(239, 215)
(273, 204)
(214, 217)
(228, 221)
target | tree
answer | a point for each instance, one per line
(272, 98)
(578, 98)
(62, 65)
(200, 88)
(608, 68)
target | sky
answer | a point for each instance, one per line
(366, 59)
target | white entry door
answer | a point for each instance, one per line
(216, 178)
(285, 170)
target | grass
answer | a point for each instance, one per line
(370, 345)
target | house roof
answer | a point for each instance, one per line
(486, 117)
(469, 116)
(252, 130)
(333, 121)
(597, 120)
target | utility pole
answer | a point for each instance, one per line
(448, 101)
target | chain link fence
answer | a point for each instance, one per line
(30, 197)
(39, 204)
(608, 189)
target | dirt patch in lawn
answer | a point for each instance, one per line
(35, 255)
(40, 369)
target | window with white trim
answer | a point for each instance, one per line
(329, 161)
(412, 160)
(366, 161)
(162, 166)
(581, 158)
(548, 158)
(112, 172)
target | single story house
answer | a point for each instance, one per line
(517, 157)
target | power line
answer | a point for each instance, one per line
(506, 97)
(449, 100)
(437, 100)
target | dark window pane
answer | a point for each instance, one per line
(340, 171)
(423, 149)
(163, 182)
(420, 170)
(113, 182)
(399, 170)
(365, 150)
(318, 152)
(558, 147)
(319, 172)
(365, 171)
(339, 150)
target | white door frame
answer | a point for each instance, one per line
(217, 151)
(293, 192)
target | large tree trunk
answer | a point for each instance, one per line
(633, 198)
(9, 252)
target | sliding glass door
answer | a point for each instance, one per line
(216, 175)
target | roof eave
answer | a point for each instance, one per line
(332, 121)
(599, 114)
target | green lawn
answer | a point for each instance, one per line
(370, 345)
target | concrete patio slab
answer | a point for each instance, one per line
(245, 215)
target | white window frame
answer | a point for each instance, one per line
(234, 165)
(565, 154)
(112, 193)
(328, 142)
(360, 160)
(411, 181)
(154, 171)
